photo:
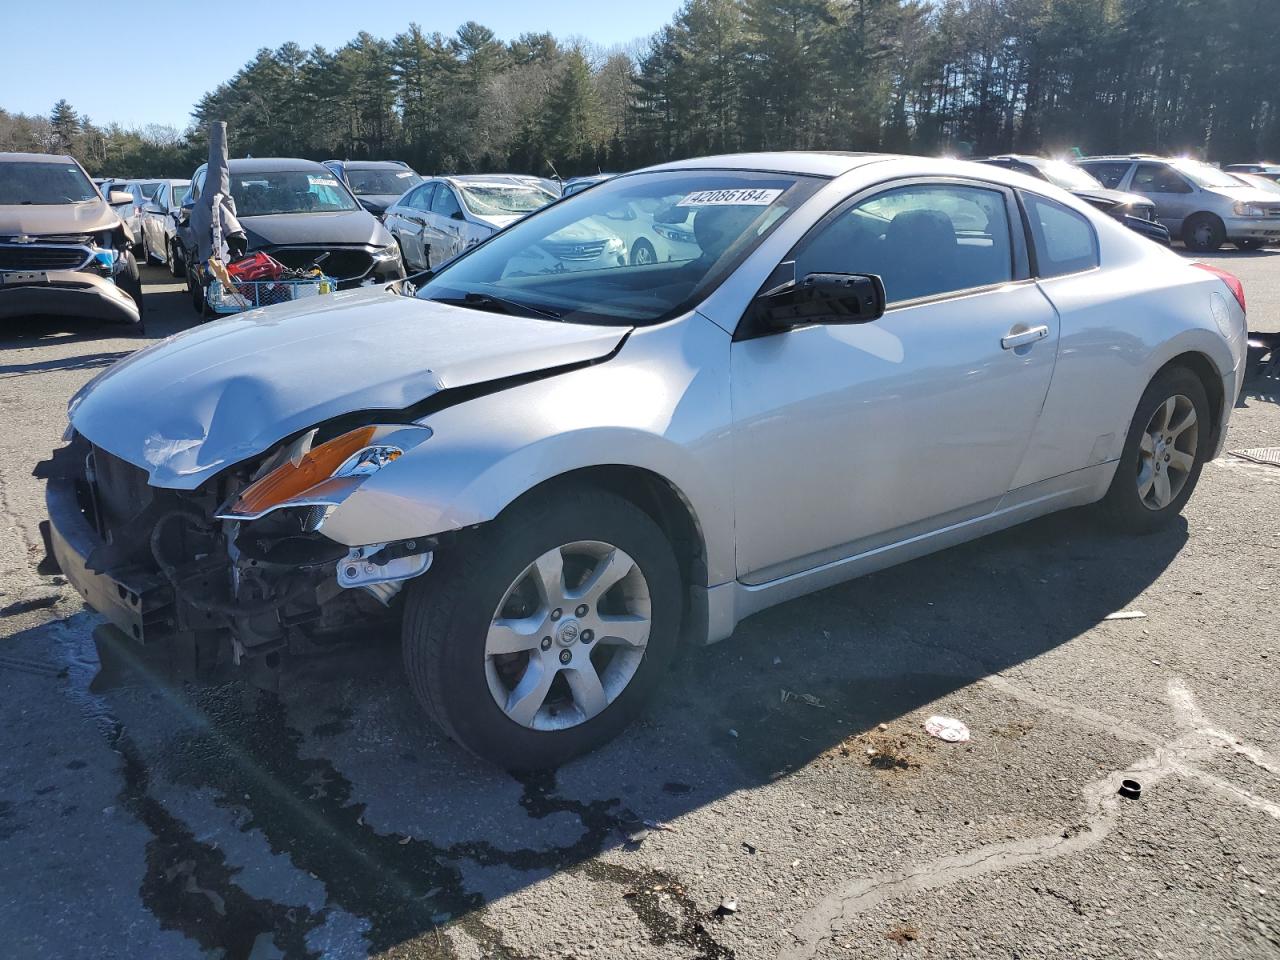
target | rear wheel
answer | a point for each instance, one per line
(176, 266)
(1168, 441)
(541, 635)
(1203, 232)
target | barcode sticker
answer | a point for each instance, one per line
(740, 197)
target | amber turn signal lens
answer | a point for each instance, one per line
(286, 481)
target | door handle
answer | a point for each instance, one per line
(1024, 337)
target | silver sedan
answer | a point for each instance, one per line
(550, 478)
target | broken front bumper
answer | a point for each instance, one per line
(138, 602)
(68, 293)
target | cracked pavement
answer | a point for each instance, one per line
(141, 819)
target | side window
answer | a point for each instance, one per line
(1065, 241)
(197, 185)
(445, 203)
(422, 197)
(922, 241)
(1110, 174)
(1157, 178)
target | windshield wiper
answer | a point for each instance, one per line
(484, 301)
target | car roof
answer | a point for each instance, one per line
(818, 163)
(371, 164)
(272, 164)
(39, 158)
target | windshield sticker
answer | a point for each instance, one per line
(321, 181)
(724, 198)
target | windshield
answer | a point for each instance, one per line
(150, 189)
(1068, 176)
(25, 182)
(501, 200)
(289, 191)
(385, 182)
(636, 250)
(1204, 175)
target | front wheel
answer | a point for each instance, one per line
(1168, 441)
(541, 635)
(1203, 232)
(642, 253)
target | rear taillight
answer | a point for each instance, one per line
(1230, 279)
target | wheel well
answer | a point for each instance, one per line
(1204, 370)
(658, 498)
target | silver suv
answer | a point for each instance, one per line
(1196, 201)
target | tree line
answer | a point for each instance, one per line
(953, 76)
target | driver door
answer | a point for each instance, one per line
(852, 437)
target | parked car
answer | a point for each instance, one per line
(1269, 170)
(446, 215)
(377, 184)
(549, 480)
(140, 193)
(160, 218)
(578, 184)
(1204, 206)
(1259, 181)
(63, 249)
(299, 212)
(1134, 211)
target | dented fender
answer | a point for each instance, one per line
(661, 405)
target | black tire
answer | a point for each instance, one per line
(1203, 232)
(642, 252)
(1249, 243)
(177, 264)
(196, 290)
(130, 281)
(448, 613)
(1123, 505)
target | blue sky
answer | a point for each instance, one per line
(57, 48)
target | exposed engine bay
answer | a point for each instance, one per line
(238, 571)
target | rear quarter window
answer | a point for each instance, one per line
(1065, 241)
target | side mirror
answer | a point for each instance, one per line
(823, 298)
(118, 198)
(457, 215)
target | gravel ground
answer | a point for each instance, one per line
(138, 819)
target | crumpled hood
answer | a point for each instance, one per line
(315, 229)
(187, 407)
(37, 219)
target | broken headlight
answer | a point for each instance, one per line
(300, 475)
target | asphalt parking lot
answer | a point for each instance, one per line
(783, 774)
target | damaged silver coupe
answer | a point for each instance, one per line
(549, 464)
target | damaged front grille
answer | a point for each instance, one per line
(121, 490)
(344, 264)
(35, 256)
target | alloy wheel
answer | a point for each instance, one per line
(1167, 452)
(568, 635)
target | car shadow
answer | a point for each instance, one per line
(342, 774)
